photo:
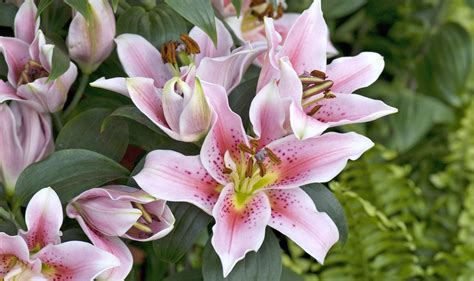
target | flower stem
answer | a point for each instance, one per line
(77, 95)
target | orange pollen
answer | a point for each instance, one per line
(249, 171)
(192, 46)
(32, 71)
(262, 168)
(273, 157)
(244, 148)
(168, 52)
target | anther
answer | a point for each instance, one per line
(314, 110)
(273, 157)
(256, 2)
(168, 52)
(249, 170)
(308, 80)
(279, 11)
(319, 74)
(227, 170)
(254, 143)
(145, 214)
(316, 89)
(192, 46)
(142, 227)
(329, 95)
(244, 148)
(32, 71)
(262, 168)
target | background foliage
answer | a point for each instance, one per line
(409, 202)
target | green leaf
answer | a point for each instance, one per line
(53, 18)
(264, 265)
(7, 14)
(340, 8)
(289, 275)
(445, 69)
(84, 131)
(115, 5)
(190, 222)
(43, 4)
(325, 201)
(82, 6)
(68, 172)
(241, 98)
(60, 64)
(133, 113)
(186, 275)
(238, 5)
(199, 13)
(158, 25)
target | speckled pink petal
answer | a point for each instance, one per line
(224, 42)
(75, 261)
(140, 59)
(349, 109)
(16, 56)
(352, 73)
(294, 214)
(44, 217)
(238, 230)
(317, 159)
(226, 133)
(112, 245)
(118, 85)
(11, 248)
(267, 114)
(306, 41)
(171, 176)
(26, 24)
(305, 126)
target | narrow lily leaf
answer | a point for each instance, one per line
(115, 5)
(68, 172)
(199, 13)
(190, 222)
(84, 131)
(7, 14)
(158, 25)
(238, 5)
(43, 4)
(132, 113)
(325, 201)
(60, 64)
(264, 265)
(82, 6)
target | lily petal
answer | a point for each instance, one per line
(7, 92)
(173, 103)
(226, 133)
(26, 24)
(270, 69)
(228, 71)
(306, 42)
(16, 56)
(224, 42)
(294, 214)
(75, 260)
(12, 248)
(147, 98)
(349, 109)
(44, 217)
(171, 176)
(112, 245)
(118, 85)
(317, 159)
(140, 59)
(352, 73)
(267, 114)
(305, 126)
(240, 227)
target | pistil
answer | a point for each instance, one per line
(142, 227)
(145, 214)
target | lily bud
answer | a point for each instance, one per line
(25, 138)
(90, 43)
(123, 211)
(186, 110)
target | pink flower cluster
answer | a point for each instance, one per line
(244, 180)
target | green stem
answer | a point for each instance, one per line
(57, 121)
(77, 95)
(9, 217)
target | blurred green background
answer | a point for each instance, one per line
(410, 201)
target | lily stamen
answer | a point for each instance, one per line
(314, 110)
(227, 170)
(142, 227)
(244, 148)
(319, 74)
(145, 214)
(262, 168)
(249, 170)
(191, 46)
(31, 72)
(272, 156)
(317, 89)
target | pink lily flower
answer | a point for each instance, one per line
(108, 212)
(38, 254)
(29, 61)
(25, 138)
(317, 96)
(182, 113)
(247, 184)
(91, 43)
